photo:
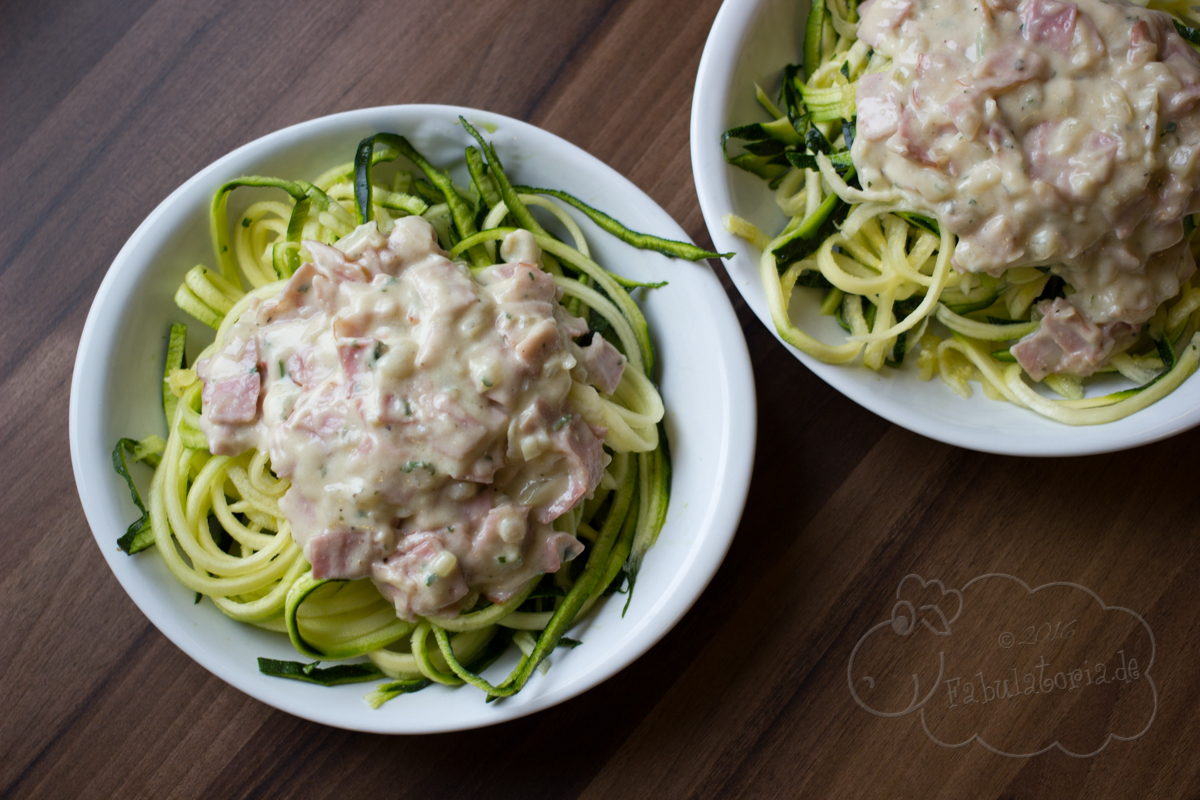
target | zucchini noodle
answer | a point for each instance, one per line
(883, 269)
(216, 520)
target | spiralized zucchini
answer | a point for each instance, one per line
(216, 520)
(884, 269)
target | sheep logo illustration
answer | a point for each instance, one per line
(1012, 668)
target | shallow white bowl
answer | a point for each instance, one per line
(750, 42)
(705, 378)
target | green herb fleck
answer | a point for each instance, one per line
(563, 420)
(245, 222)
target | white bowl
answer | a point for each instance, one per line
(705, 378)
(750, 42)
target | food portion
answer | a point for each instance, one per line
(420, 414)
(425, 434)
(1043, 133)
(1018, 174)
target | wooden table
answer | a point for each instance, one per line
(108, 106)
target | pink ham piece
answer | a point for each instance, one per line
(1077, 164)
(307, 292)
(231, 394)
(563, 462)
(878, 101)
(557, 550)
(886, 15)
(604, 364)
(1049, 21)
(408, 578)
(346, 555)
(1010, 65)
(1065, 342)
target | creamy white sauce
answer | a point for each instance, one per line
(420, 414)
(1042, 133)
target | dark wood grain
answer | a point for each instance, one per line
(109, 105)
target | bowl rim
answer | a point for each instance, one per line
(1000, 430)
(732, 468)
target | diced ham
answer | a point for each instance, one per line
(504, 526)
(963, 110)
(307, 292)
(445, 294)
(498, 551)
(408, 577)
(233, 400)
(354, 355)
(1010, 65)
(1182, 60)
(919, 141)
(603, 363)
(345, 554)
(582, 453)
(558, 549)
(231, 390)
(1049, 21)
(304, 368)
(318, 415)
(886, 16)
(1074, 160)
(534, 344)
(441, 286)
(878, 101)
(454, 432)
(333, 263)
(514, 282)
(1143, 44)
(1065, 342)
(574, 327)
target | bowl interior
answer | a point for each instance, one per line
(751, 42)
(116, 393)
